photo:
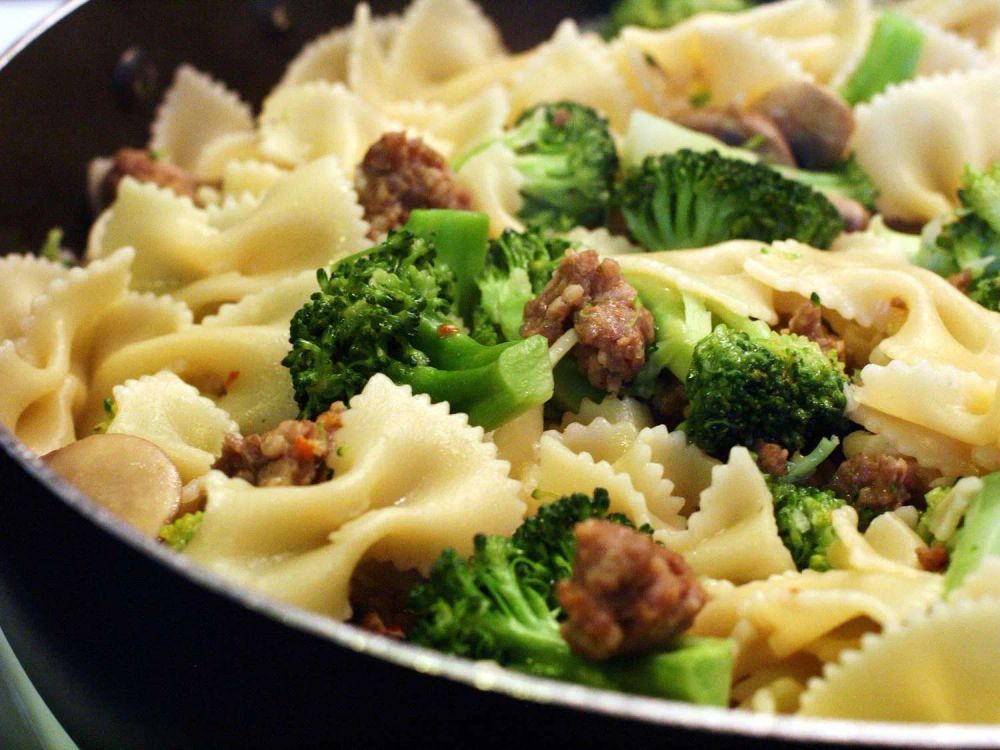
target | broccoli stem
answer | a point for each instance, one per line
(979, 536)
(492, 384)
(804, 467)
(460, 239)
(892, 56)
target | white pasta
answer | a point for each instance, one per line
(391, 499)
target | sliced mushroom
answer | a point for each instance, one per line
(739, 129)
(815, 122)
(129, 476)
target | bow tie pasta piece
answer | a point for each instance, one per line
(326, 57)
(409, 480)
(242, 178)
(940, 666)
(172, 415)
(623, 462)
(976, 19)
(83, 315)
(195, 111)
(304, 221)
(496, 184)
(797, 612)
(574, 66)
(853, 550)
(915, 139)
(733, 534)
(273, 306)
(22, 279)
(301, 123)
(438, 40)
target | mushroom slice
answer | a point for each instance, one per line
(740, 129)
(815, 121)
(129, 476)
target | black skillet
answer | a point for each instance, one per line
(132, 647)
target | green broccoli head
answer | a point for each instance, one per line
(567, 157)
(179, 533)
(690, 199)
(848, 179)
(518, 266)
(499, 604)
(391, 310)
(662, 14)
(970, 242)
(779, 388)
(804, 517)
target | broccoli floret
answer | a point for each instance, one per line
(779, 388)
(391, 310)
(804, 522)
(180, 533)
(891, 57)
(662, 14)
(517, 268)
(744, 382)
(969, 240)
(498, 605)
(690, 199)
(567, 157)
(979, 536)
(802, 467)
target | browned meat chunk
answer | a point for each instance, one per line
(740, 129)
(807, 321)
(378, 595)
(962, 281)
(880, 482)
(627, 593)
(934, 558)
(815, 121)
(591, 296)
(140, 165)
(293, 453)
(669, 401)
(399, 174)
(771, 458)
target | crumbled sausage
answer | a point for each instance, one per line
(293, 453)
(627, 593)
(962, 281)
(669, 401)
(378, 595)
(142, 166)
(934, 558)
(590, 295)
(880, 482)
(771, 458)
(807, 320)
(399, 174)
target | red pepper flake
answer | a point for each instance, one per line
(447, 329)
(230, 379)
(305, 448)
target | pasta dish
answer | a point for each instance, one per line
(663, 357)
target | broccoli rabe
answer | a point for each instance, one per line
(969, 242)
(979, 536)
(517, 268)
(661, 14)
(891, 57)
(744, 381)
(567, 157)
(694, 199)
(804, 518)
(499, 605)
(392, 309)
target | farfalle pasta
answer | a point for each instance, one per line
(181, 325)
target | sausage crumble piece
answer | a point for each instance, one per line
(627, 593)
(399, 174)
(142, 166)
(807, 321)
(771, 458)
(880, 482)
(590, 295)
(293, 453)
